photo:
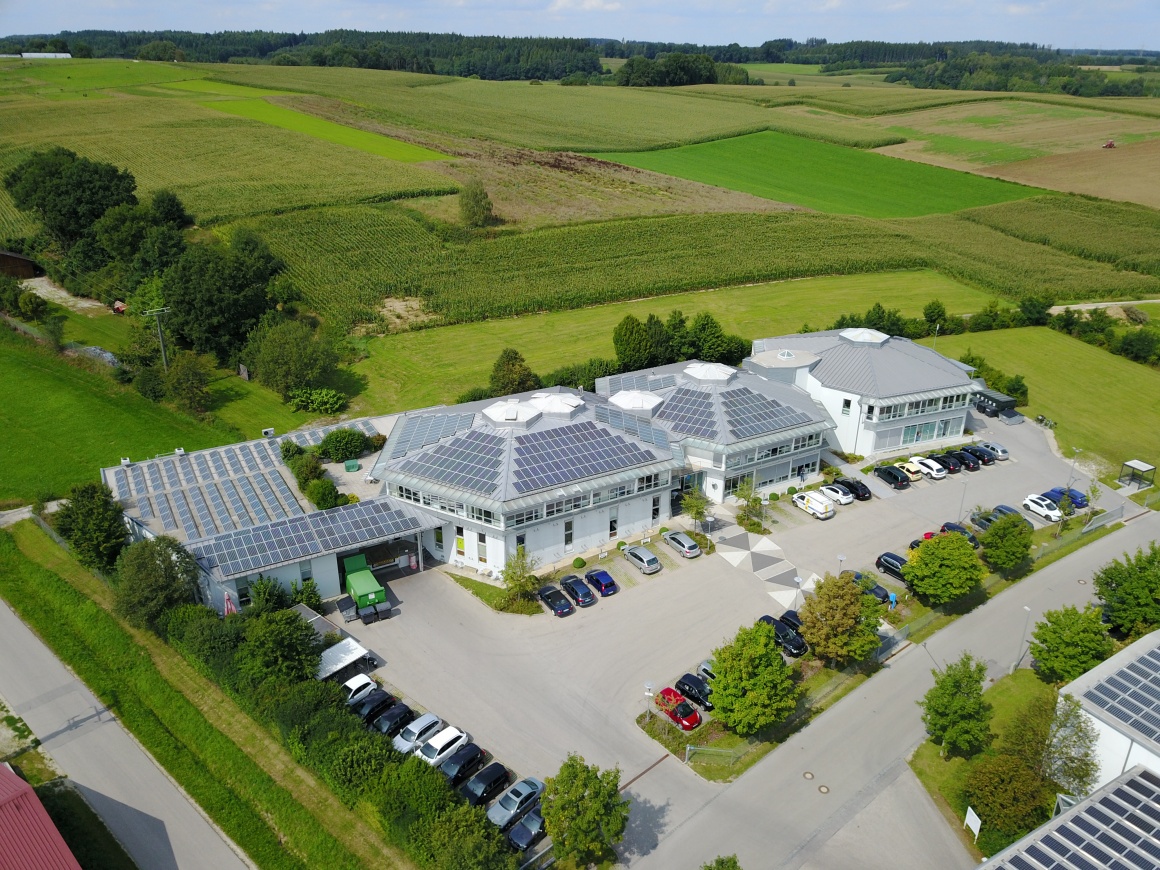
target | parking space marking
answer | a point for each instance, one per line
(643, 772)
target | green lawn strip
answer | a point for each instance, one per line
(223, 89)
(1149, 498)
(98, 328)
(945, 778)
(1063, 375)
(826, 177)
(328, 131)
(328, 813)
(495, 597)
(981, 151)
(86, 836)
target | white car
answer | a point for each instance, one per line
(995, 447)
(358, 687)
(443, 745)
(929, 467)
(836, 494)
(417, 733)
(1043, 507)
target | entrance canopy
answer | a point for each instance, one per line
(337, 657)
(1139, 472)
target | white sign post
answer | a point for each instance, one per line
(973, 822)
(648, 695)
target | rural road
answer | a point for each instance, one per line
(1087, 306)
(154, 820)
(773, 816)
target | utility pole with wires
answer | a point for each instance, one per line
(156, 314)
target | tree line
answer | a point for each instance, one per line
(1006, 72)
(677, 69)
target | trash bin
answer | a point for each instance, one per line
(351, 465)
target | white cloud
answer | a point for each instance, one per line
(584, 6)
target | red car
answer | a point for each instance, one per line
(673, 704)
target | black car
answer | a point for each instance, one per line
(956, 528)
(373, 704)
(970, 463)
(985, 456)
(485, 785)
(578, 591)
(602, 582)
(394, 720)
(895, 477)
(696, 690)
(527, 831)
(952, 465)
(869, 587)
(462, 763)
(791, 618)
(891, 563)
(856, 488)
(788, 639)
(555, 600)
(982, 520)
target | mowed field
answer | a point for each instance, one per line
(1102, 403)
(826, 177)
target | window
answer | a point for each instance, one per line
(597, 497)
(439, 538)
(522, 518)
(845, 407)
(651, 481)
(731, 483)
(306, 570)
(924, 407)
(613, 522)
(481, 547)
(521, 541)
(656, 508)
(566, 505)
(620, 491)
(459, 540)
(568, 536)
(408, 494)
(892, 412)
(869, 412)
(739, 459)
(807, 441)
(243, 595)
(442, 504)
(482, 515)
(919, 432)
(959, 401)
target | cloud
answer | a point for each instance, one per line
(584, 6)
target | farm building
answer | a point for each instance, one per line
(46, 55)
(883, 392)
(28, 838)
(18, 266)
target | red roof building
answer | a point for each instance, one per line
(28, 838)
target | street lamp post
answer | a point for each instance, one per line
(841, 559)
(963, 500)
(928, 652)
(1022, 640)
(1075, 452)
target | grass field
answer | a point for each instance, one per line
(1102, 403)
(825, 177)
(48, 78)
(431, 366)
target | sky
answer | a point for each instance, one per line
(1123, 24)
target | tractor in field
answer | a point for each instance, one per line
(1111, 143)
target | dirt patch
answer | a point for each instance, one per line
(1127, 173)
(46, 288)
(404, 313)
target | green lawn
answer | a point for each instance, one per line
(1100, 402)
(426, 367)
(825, 177)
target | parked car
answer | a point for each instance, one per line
(996, 448)
(1004, 509)
(856, 488)
(358, 687)
(578, 591)
(393, 720)
(926, 536)
(869, 587)
(643, 559)
(485, 785)
(814, 504)
(959, 529)
(443, 745)
(373, 704)
(985, 456)
(514, 802)
(788, 639)
(417, 733)
(1078, 499)
(982, 520)
(969, 462)
(792, 619)
(555, 601)
(696, 690)
(527, 831)
(912, 471)
(836, 493)
(682, 543)
(892, 476)
(1042, 507)
(708, 670)
(674, 705)
(891, 563)
(462, 763)
(929, 467)
(602, 582)
(952, 465)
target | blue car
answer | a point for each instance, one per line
(578, 591)
(602, 582)
(555, 600)
(1078, 499)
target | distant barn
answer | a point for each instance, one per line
(46, 55)
(18, 265)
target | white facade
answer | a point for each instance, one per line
(1118, 752)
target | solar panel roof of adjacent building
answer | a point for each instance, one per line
(749, 414)
(472, 461)
(690, 412)
(566, 453)
(1124, 691)
(639, 381)
(424, 429)
(1117, 827)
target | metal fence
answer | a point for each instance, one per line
(1108, 516)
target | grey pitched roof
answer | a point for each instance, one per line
(1124, 691)
(894, 367)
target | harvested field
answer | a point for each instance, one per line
(1128, 173)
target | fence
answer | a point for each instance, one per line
(1108, 516)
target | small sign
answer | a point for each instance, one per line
(973, 823)
(603, 553)
(646, 540)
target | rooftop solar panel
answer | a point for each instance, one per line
(633, 425)
(219, 508)
(690, 412)
(185, 467)
(288, 499)
(268, 494)
(471, 461)
(749, 414)
(232, 458)
(185, 515)
(235, 498)
(565, 453)
(120, 483)
(248, 458)
(219, 464)
(1132, 695)
(202, 467)
(417, 432)
(202, 509)
(156, 484)
(145, 506)
(166, 512)
(253, 501)
(265, 458)
(140, 487)
(171, 478)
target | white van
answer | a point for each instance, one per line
(815, 504)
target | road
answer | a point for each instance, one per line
(773, 816)
(159, 826)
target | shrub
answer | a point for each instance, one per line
(150, 383)
(322, 493)
(475, 209)
(180, 618)
(377, 441)
(267, 593)
(153, 577)
(475, 394)
(290, 449)
(320, 400)
(340, 445)
(307, 594)
(620, 545)
(773, 496)
(305, 468)
(92, 522)
(791, 490)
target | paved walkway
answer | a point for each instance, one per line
(155, 821)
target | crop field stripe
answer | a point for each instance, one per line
(224, 89)
(328, 131)
(826, 177)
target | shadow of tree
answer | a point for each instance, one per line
(347, 381)
(645, 823)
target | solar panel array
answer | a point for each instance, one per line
(573, 452)
(294, 538)
(651, 383)
(315, 436)
(690, 412)
(1132, 695)
(633, 425)
(472, 461)
(426, 429)
(749, 414)
(1118, 831)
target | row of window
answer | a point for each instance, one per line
(800, 472)
(802, 443)
(912, 409)
(932, 430)
(480, 515)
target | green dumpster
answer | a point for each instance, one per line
(351, 465)
(365, 589)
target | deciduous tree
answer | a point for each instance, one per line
(461, 838)
(1057, 740)
(660, 350)
(954, 711)
(93, 524)
(1007, 543)
(840, 621)
(187, 382)
(290, 356)
(475, 208)
(754, 688)
(723, 862)
(583, 810)
(153, 577)
(944, 568)
(518, 575)
(1069, 642)
(633, 347)
(511, 374)
(695, 503)
(280, 644)
(1007, 794)
(1130, 590)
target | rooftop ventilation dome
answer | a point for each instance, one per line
(563, 405)
(710, 373)
(637, 402)
(865, 336)
(512, 414)
(785, 354)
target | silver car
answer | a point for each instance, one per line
(514, 802)
(995, 447)
(643, 559)
(682, 543)
(417, 733)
